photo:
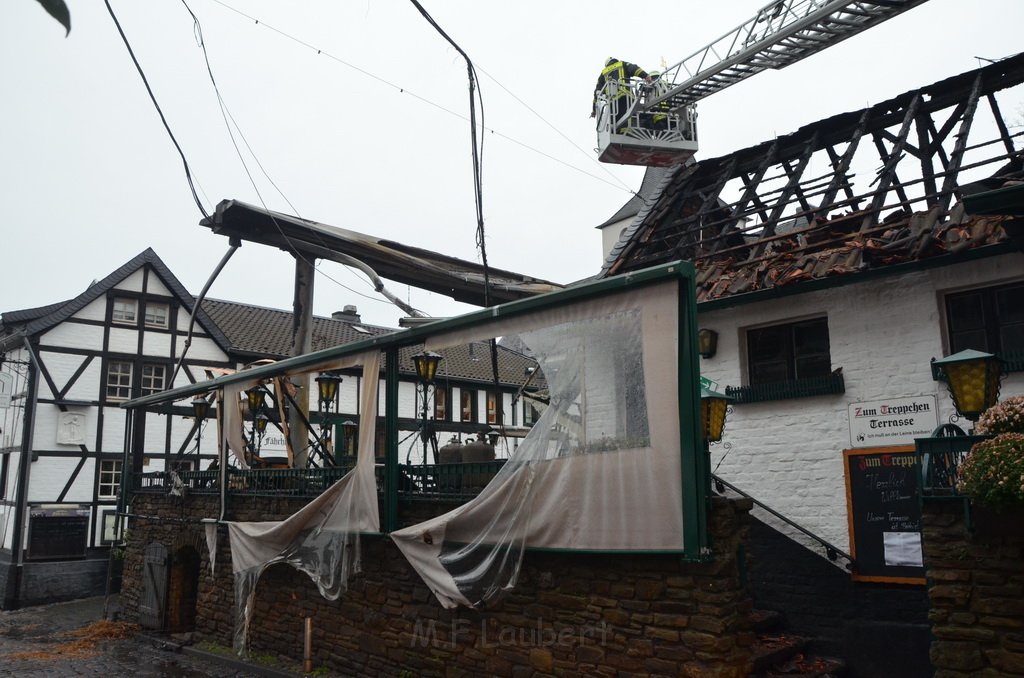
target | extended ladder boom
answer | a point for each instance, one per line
(781, 33)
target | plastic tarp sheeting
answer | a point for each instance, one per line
(321, 539)
(600, 470)
(232, 436)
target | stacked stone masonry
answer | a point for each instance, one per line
(569, 614)
(976, 587)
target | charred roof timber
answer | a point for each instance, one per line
(456, 278)
(909, 211)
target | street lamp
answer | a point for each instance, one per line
(713, 406)
(260, 427)
(348, 431)
(256, 397)
(707, 343)
(973, 380)
(327, 387)
(200, 406)
(327, 390)
(426, 368)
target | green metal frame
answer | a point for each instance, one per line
(694, 464)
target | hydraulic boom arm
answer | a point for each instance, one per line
(781, 33)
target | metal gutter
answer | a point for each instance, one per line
(415, 336)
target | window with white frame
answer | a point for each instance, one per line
(156, 314)
(153, 377)
(124, 311)
(110, 478)
(440, 403)
(119, 380)
(467, 403)
(493, 407)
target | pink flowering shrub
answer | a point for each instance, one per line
(993, 472)
(1004, 417)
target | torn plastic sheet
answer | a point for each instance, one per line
(322, 538)
(600, 470)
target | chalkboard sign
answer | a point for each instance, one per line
(884, 513)
(57, 532)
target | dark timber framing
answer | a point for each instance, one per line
(692, 217)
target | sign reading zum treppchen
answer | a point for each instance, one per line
(895, 421)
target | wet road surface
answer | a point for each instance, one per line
(48, 642)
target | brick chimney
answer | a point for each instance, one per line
(350, 314)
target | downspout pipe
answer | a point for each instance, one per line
(13, 593)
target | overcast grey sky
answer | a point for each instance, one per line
(371, 134)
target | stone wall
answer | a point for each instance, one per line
(42, 582)
(976, 587)
(570, 613)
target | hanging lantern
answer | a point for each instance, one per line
(713, 406)
(426, 365)
(973, 380)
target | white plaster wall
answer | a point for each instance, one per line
(121, 341)
(157, 344)
(610, 235)
(50, 474)
(46, 424)
(156, 286)
(113, 429)
(133, 282)
(74, 335)
(13, 417)
(883, 333)
(6, 526)
(156, 434)
(202, 349)
(89, 384)
(94, 310)
(61, 367)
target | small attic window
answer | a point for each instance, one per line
(357, 328)
(124, 311)
(156, 314)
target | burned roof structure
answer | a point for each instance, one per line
(760, 219)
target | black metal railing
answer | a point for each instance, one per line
(832, 551)
(447, 482)
(784, 390)
(940, 459)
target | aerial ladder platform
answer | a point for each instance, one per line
(659, 125)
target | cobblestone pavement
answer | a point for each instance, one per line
(44, 631)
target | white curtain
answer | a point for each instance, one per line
(600, 470)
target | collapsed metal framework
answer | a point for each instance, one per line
(744, 209)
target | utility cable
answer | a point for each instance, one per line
(403, 90)
(138, 67)
(375, 280)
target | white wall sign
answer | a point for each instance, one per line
(71, 428)
(6, 389)
(896, 421)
